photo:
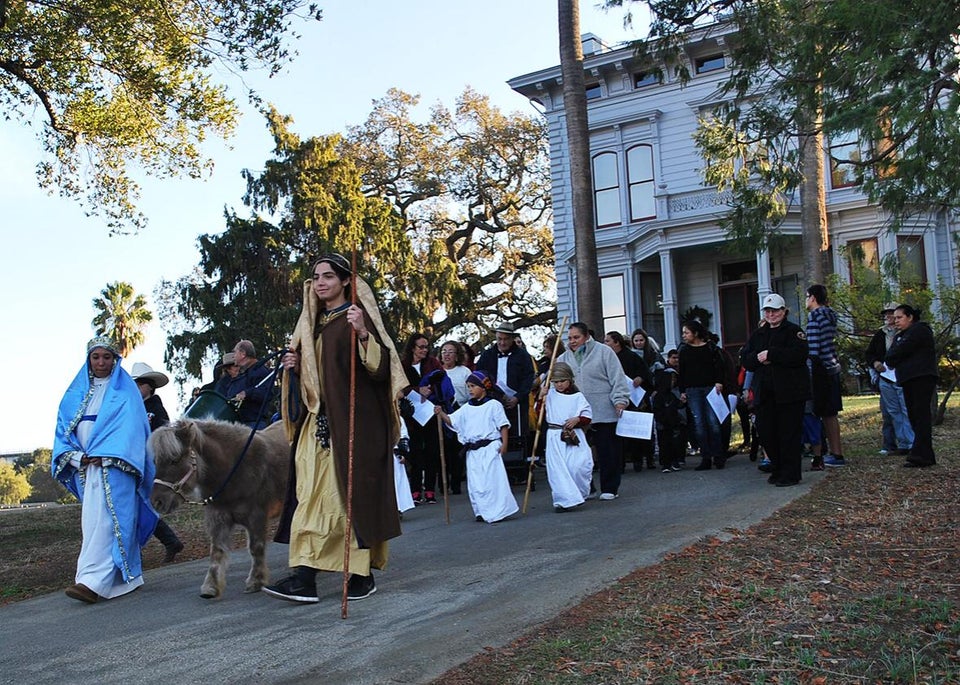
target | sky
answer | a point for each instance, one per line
(55, 260)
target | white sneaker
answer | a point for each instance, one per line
(884, 453)
(607, 496)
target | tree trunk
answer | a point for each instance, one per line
(813, 190)
(813, 207)
(589, 305)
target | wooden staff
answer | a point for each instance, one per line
(543, 407)
(348, 531)
(443, 471)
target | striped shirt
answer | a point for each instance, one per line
(821, 336)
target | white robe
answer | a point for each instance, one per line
(402, 484)
(487, 482)
(569, 467)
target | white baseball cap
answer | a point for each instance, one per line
(773, 301)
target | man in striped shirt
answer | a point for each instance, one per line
(825, 372)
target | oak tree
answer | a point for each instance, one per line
(114, 87)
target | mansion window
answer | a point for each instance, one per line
(912, 261)
(640, 186)
(613, 304)
(844, 149)
(709, 63)
(863, 260)
(593, 91)
(606, 189)
(644, 79)
(640, 182)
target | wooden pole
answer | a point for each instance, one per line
(443, 472)
(348, 528)
(543, 407)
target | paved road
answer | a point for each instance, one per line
(450, 591)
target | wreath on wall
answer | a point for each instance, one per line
(698, 313)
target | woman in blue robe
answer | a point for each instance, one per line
(100, 455)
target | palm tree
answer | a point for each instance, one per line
(122, 315)
(589, 306)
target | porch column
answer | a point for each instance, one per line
(668, 302)
(764, 286)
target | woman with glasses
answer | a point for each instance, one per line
(424, 458)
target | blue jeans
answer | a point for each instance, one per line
(897, 431)
(705, 423)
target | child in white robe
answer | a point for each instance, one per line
(482, 425)
(569, 460)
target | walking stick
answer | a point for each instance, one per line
(543, 408)
(348, 530)
(443, 472)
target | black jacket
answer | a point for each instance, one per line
(785, 377)
(633, 366)
(913, 353)
(520, 371)
(155, 412)
(877, 349)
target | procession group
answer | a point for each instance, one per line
(342, 369)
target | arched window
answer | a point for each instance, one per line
(640, 181)
(606, 189)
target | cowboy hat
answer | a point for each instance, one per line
(229, 359)
(143, 372)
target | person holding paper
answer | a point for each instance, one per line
(605, 386)
(701, 381)
(510, 366)
(913, 355)
(777, 354)
(424, 460)
(641, 381)
(897, 433)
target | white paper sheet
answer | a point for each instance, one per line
(635, 424)
(507, 390)
(636, 393)
(732, 400)
(889, 374)
(718, 403)
(422, 407)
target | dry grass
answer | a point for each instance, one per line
(856, 582)
(39, 547)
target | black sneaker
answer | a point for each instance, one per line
(360, 587)
(172, 550)
(293, 589)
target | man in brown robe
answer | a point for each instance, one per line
(317, 422)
